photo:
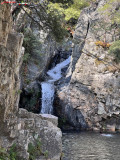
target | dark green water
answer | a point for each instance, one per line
(91, 146)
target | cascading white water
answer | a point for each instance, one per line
(47, 97)
(48, 87)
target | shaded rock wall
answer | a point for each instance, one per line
(16, 125)
(10, 62)
(5, 23)
(94, 87)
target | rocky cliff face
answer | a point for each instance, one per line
(10, 62)
(17, 125)
(92, 97)
(40, 57)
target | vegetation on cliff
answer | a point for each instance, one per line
(35, 150)
(9, 154)
(69, 9)
(31, 42)
(55, 16)
(114, 16)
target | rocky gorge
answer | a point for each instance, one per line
(87, 92)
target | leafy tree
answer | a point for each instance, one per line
(54, 14)
(70, 9)
(115, 49)
(30, 43)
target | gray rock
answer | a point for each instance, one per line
(101, 109)
(94, 87)
(21, 127)
(50, 118)
(42, 127)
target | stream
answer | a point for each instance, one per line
(48, 88)
(91, 146)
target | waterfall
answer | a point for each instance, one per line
(48, 88)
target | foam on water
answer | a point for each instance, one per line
(47, 97)
(107, 135)
(55, 73)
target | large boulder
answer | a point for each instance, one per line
(42, 128)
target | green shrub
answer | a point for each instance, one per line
(71, 11)
(46, 154)
(35, 151)
(108, 9)
(31, 45)
(62, 1)
(63, 12)
(19, 91)
(26, 57)
(56, 21)
(3, 154)
(115, 49)
(13, 153)
(10, 154)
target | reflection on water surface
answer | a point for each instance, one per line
(91, 146)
